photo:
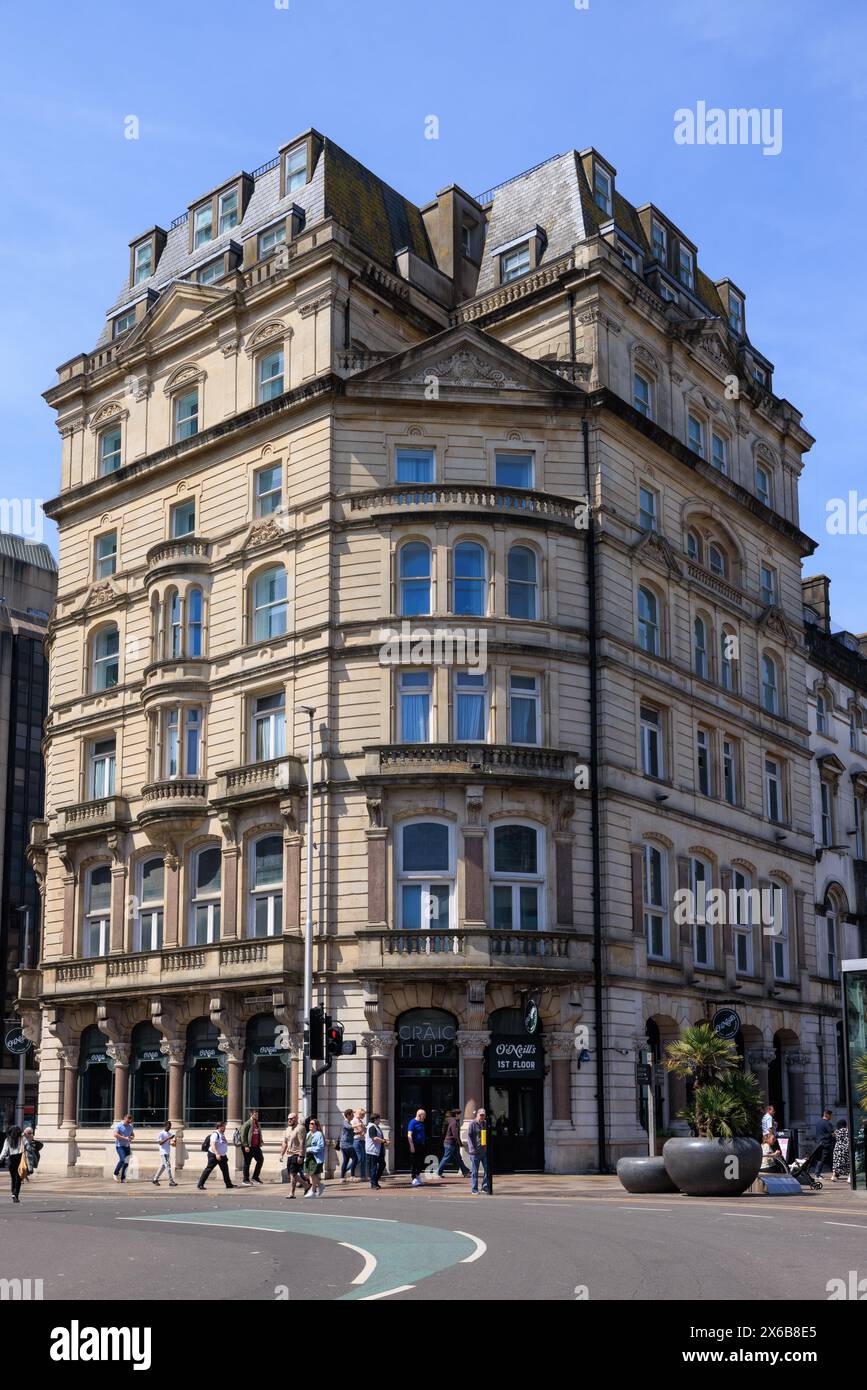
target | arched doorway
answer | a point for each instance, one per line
(268, 1071)
(669, 1090)
(207, 1078)
(425, 1076)
(514, 1094)
(95, 1080)
(150, 1077)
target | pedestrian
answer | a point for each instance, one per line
(841, 1164)
(415, 1139)
(360, 1132)
(314, 1157)
(166, 1141)
(217, 1150)
(769, 1121)
(825, 1137)
(375, 1145)
(477, 1148)
(293, 1152)
(13, 1153)
(452, 1145)
(251, 1145)
(123, 1136)
(349, 1158)
(32, 1149)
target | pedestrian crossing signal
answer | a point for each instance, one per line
(333, 1038)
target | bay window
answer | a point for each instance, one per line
(414, 706)
(525, 709)
(517, 878)
(471, 707)
(426, 875)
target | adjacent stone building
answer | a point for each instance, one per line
(502, 487)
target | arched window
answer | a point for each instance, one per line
(95, 1080)
(148, 932)
(517, 878)
(770, 685)
(700, 663)
(742, 917)
(194, 622)
(206, 882)
(728, 646)
(521, 587)
(693, 547)
(268, 1071)
(207, 1075)
(414, 564)
(716, 561)
(426, 876)
(700, 885)
(270, 608)
(97, 911)
(149, 1077)
(266, 887)
(174, 627)
(105, 669)
(655, 901)
(780, 929)
(855, 730)
(648, 621)
(830, 939)
(469, 579)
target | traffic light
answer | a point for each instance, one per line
(333, 1037)
(316, 1035)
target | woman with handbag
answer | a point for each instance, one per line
(314, 1158)
(13, 1154)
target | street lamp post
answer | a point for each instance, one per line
(24, 957)
(307, 1071)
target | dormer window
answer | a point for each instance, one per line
(295, 168)
(602, 189)
(144, 262)
(667, 293)
(228, 214)
(203, 225)
(271, 238)
(214, 270)
(515, 262)
(123, 323)
(627, 256)
(760, 375)
(736, 313)
(659, 239)
(686, 267)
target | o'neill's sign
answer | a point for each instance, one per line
(511, 1058)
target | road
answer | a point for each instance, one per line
(431, 1244)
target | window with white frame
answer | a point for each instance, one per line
(517, 878)
(830, 947)
(414, 579)
(652, 744)
(97, 911)
(730, 771)
(195, 622)
(736, 313)
(768, 584)
(206, 874)
(685, 267)
(602, 188)
(101, 772)
(268, 734)
(470, 580)
(514, 262)
(655, 906)
(105, 667)
(105, 554)
(648, 621)
(719, 455)
(695, 434)
(228, 211)
(144, 257)
(854, 730)
(187, 414)
(513, 470)
(203, 225)
(295, 168)
(414, 465)
(210, 273)
(742, 922)
(780, 930)
(270, 239)
(174, 624)
(648, 509)
(270, 605)
(716, 561)
(627, 255)
(667, 293)
(182, 519)
(426, 876)
(699, 648)
(414, 706)
(471, 707)
(770, 685)
(700, 884)
(763, 485)
(148, 927)
(826, 802)
(659, 239)
(704, 761)
(269, 490)
(525, 709)
(727, 661)
(270, 375)
(181, 739)
(110, 442)
(642, 395)
(123, 323)
(266, 887)
(774, 789)
(693, 547)
(522, 583)
(821, 714)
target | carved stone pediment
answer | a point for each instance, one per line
(774, 623)
(465, 358)
(100, 594)
(657, 551)
(465, 368)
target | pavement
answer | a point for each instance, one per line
(538, 1237)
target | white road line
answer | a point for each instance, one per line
(369, 1261)
(221, 1225)
(639, 1207)
(480, 1250)
(382, 1220)
(856, 1225)
(401, 1288)
(750, 1215)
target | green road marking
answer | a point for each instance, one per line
(404, 1254)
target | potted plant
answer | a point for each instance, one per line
(722, 1157)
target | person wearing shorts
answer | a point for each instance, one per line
(293, 1152)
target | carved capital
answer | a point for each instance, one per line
(472, 1041)
(379, 1044)
(559, 1046)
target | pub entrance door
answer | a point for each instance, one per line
(425, 1078)
(514, 1072)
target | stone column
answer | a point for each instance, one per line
(758, 1061)
(69, 1063)
(380, 1049)
(560, 1047)
(170, 912)
(233, 1051)
(175, 1050)
(120, 1053)
(472, 1043)
(796, 1065)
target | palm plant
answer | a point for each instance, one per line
(726, 1103)
(859, 1068)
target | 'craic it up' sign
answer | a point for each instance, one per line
(510, 1057)
(426, 1037)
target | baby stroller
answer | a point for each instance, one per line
(800, 1169)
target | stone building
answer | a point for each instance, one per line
(502, 487)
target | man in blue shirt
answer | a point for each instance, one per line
(415, 1139)
(123, 1136)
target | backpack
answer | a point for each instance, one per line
(236, 1137)
(206, 1144)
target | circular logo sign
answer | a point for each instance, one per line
(531, 1016)
(16, 1043)
(726, 1023)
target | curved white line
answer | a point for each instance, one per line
(369, 1261)
(480, 1250)
(401, 1288)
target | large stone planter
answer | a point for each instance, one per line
(644, 1175)
(712, 1167)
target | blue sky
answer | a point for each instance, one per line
(218, 86)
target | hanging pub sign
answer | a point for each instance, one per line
(531, 1016)
(16, 1043)
(512, 1058)
(726, 1023)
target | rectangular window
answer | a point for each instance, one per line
(471, 707)
(780, 937)
(730, 772)
(602, 188)
(760, 375)
(271, 238)
(269, 727)
(705, 766)
(183, 519)
(209, 273)
(144, 255)
(768, 580)
(773, 790)
(203, 225)
(271, 375)
(269, 490)
(106, 554)
(514, 263)
(647, 509)
(742, 923)
(123, 323)
(821, 714)
(695, 434)
(109, 450)
(641, 395)
(187, 415)
(827, 815)
(296, 168)
(667, 293)
(659, 239)
(524, 710)
(414, 465)
(627, 256)
(228, 211)
(702, 930)
(685, 267)
(736, 313)
(102, 766)
(192, 741)
(513, 470)
(655, 910)
(652, 761)
(763, 486)
(414, 703)
(719, 452)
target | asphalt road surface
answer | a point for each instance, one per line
(430, 1245)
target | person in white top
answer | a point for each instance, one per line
(166, 1142)
(217, 1151)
